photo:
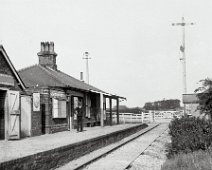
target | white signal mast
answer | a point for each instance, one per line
(182, 49)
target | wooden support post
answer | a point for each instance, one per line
(101, 110)
(104, 109)
(84, 109)
(68, 107)
(110, 100)
(117, 112)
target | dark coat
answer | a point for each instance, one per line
(79, 112)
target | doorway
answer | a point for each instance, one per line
(2, 114)
(26, 105)
(74, 105)
(43, 119)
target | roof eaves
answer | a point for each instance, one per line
(79, 89)
(108, 94)
(99, 92)
(120, 97)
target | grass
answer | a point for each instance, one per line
(198, 160)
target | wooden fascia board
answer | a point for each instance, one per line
(12, 67)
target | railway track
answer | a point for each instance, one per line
(127, 155)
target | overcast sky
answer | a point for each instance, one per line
(134, 49)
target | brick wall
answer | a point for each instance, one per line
(59, 156)
(42, 121)
(45, 111)
(51, 125)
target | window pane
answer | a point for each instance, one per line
(62, 109)
(55, 108)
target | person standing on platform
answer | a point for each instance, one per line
(79, 112)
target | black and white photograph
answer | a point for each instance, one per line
(105, 85)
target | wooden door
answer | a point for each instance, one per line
(14, 114)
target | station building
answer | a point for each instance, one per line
(55, 96)
(191, 103)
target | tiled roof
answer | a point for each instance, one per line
(38, 75)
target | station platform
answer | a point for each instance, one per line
(52, 150)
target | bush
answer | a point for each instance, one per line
(191, 161)
(189, 134)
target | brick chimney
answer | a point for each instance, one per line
(47, 56)
(81, 76)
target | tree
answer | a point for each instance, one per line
(125, 109)
(204, 93)
(148, 106)
(163, 105)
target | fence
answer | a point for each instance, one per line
(151, 116)
(129, 118)
(126, 118)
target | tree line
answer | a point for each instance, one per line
(125, 109)
(171, 104)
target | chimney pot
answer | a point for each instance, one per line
(51, 45)
(42, 47)
(47, 56)
(46, 46)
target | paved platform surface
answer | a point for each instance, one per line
(10, 150)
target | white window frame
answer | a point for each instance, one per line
(59, 108)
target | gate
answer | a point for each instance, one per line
(14, 114)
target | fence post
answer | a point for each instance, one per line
(123, 118)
